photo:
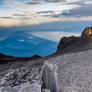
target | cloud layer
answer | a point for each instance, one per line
(84, 9)
(35, 12)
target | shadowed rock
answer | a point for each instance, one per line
(6, 58)
(76, 44)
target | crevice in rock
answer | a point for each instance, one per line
(48, 78)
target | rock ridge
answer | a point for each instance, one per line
(75, 44)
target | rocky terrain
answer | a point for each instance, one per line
(67, 70)
(18, 76)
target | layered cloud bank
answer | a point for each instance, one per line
(28, 12)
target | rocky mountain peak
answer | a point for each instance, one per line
(87, 33)
(75, 44)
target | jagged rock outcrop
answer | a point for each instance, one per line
(87, 33)
(69, 73)
(75, 44)
(21, 77)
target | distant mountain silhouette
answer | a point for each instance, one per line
(6, 58)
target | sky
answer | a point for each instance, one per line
(31, 12)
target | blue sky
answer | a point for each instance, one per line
(30, 12)
(1, 2)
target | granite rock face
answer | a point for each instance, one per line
(76, 44)
(21, 76)
(87, 33)
(31, 88)
(45, 90)
(69, 73)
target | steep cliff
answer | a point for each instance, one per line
(76, 44)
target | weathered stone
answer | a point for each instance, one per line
(45, 90)
(31, 88)
(7, 89)
(15, 76)
(69, 73)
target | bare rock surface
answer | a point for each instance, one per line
(31, 88)
(87, 33)
(69, 73)
(46, 90)
(21, 76)
(74, 44)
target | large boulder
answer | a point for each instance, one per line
(69, 73)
